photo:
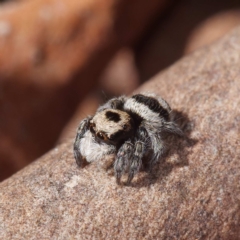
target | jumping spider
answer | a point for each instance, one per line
(130, 129)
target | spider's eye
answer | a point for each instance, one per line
(101, 135)
(125, 127)
(92, 128)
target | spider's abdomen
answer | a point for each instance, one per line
(148, 107)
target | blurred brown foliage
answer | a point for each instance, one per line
(56, 58)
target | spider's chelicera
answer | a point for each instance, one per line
(130, 129)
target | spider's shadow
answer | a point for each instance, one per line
(180, 147)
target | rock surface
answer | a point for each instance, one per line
(194, 193)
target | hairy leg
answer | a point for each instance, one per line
(121, 164)
(172, 127)
(140, 149)
(83, 127)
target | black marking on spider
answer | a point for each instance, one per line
(113, 116)
(152, 104)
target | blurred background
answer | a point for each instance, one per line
(61, 59)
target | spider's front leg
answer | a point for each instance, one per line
(83, 127)
(140, 150)
(121, 164)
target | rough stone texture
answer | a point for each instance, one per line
(52, 53)
(194, 193)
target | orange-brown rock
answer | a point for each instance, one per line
(193, 193)
(52, 53)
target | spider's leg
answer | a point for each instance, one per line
(158, 148)
(83, 127)
(140, 148)
(158, 144)
(121, 164)
(172, 127)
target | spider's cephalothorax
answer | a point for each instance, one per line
(127, 128)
